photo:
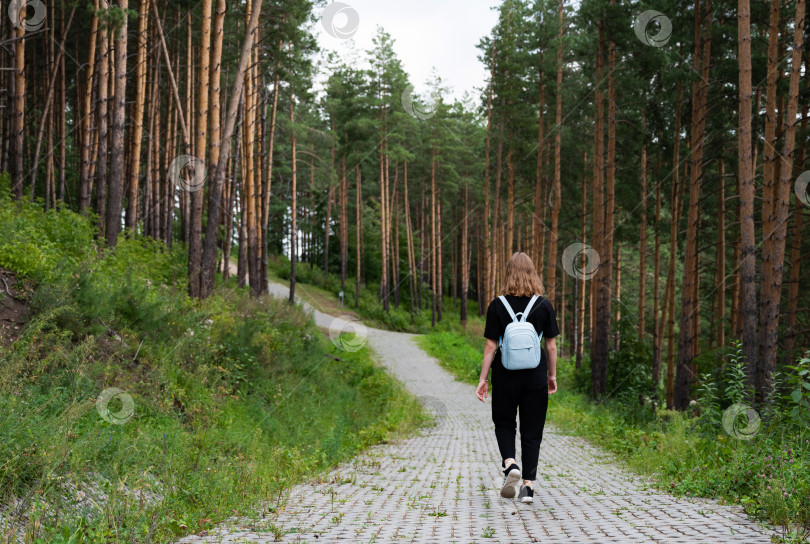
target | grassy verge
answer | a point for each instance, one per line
(233, 400)
(684, 454)
(322, 294)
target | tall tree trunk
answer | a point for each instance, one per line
(465, 269)
(510, 203)
(270, 155)
(395, 258)
(657, 332)
(599, 334)
(103, 88)
(412, 272)
(690, 305)
(748, 307)
(555, 210)
(87, 133)
(618, 294)
(791, 314)
(774, 253)
(215, 132)
(642, 265)
(579, 330)
(721, 256)
(61, 127)
(439, 257)
(330, 195)
(669, 302)
(487, 272)
(200, 140)
(137, 114)
(208, 266)
(294, 203)
(18, 110)
(496, 264)
(359, 216)
(116, 182)
(344, 224)
(433, 274)
(539, 204)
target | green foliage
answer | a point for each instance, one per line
(798, 398)
(455, 354)
(737, 389)
(37, 244)
(629, 379)
(235, 399)
(709, 403)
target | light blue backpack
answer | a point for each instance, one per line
(520, 343)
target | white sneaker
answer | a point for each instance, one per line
(511, 480)
(526, 494)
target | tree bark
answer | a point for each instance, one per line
(690, 305)
(748, 307)
(791, 313)
(138, 107)
(774, 252)
(555, 209)
(293, 204)
(599, 335)
(209, 256)
(642, 265)
(359, 236)
(103, 88)
(18, 112)
(116, 181)
(721, 257)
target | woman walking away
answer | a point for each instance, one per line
(523, 375)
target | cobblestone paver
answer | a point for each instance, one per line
(442, 486)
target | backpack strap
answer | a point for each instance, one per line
(508, 308)
(528, 308)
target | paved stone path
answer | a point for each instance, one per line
(442, 486)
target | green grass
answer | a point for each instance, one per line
(684, 455)
(235, 399)
(322, 294)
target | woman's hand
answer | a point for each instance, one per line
(552, 385)
(482, 390)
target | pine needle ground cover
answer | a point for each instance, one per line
(131, 413)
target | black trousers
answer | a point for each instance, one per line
(525, 391)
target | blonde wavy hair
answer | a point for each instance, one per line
(521, 277)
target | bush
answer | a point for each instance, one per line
(235, 398)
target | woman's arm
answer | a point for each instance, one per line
(551, 351)
(489, 354)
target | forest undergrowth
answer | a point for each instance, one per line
(132, 413)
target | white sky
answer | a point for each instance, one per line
(427, 34)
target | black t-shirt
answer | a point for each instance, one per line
(541, 316)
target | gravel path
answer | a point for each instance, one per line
(443, 485)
